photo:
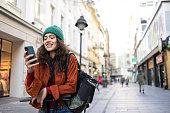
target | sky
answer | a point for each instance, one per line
(115, 15)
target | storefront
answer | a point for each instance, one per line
(5, 66)
(15, 33)
(150, 72)
(153, 52)
(161, 69)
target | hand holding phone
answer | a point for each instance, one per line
(30, 51)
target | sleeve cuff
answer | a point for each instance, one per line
(30, 78)
(48, 90)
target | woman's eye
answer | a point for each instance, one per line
(52, 37)
(45, 38)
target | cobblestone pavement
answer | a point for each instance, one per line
(113, 99)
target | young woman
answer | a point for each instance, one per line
(47, 77)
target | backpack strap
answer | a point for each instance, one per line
(68, 59)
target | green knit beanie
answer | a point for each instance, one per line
(55, 30)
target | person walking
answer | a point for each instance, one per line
(141, 80)
(127, 81)
(122, 80)
(99, 83)
(46, 79)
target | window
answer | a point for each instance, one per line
(62, 22)
(69, 34)
(14, 2)
(52, 14)
(149, 3)
(75, 41)
(62, 27)
(143, 27)
(143, 4)
(37, 9)
(5, 67)
(70, 5)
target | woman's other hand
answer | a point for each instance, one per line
(34, 100)
(41, 96)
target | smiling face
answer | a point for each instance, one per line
(50, 42)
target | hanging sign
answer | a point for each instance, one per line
(159, 59)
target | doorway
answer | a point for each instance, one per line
(161, 75)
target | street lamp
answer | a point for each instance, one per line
(105, 56)
(81, 24)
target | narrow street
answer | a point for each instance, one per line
(113, 99)
(118, 99)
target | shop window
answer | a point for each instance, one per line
(5, 66)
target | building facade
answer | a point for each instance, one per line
(152, 50)
(22, 23)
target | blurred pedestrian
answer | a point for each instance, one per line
(127, 81)
(99, 83)
(122, 80)
(141, 80)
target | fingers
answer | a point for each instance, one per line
(28, 57)
(34, 64)
(42, 95)
(41, 103)
(33, 99)
(25, 54)
(28, 63)
(38, 100)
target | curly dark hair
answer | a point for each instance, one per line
(58, 63)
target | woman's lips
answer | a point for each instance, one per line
(49, 45)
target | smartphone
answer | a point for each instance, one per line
(30, 50)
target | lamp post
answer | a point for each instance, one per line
(81, 24)
(105, 56)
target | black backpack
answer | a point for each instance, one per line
(85, 90)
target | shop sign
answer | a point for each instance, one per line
(134, 60)
(159, 59)
(168, 42)
(134, 74)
